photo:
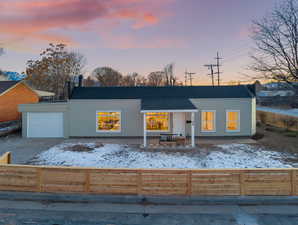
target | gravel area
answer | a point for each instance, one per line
(23, 149)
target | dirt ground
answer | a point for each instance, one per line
(276, 140)
(23, 149)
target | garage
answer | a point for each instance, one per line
(42, 124)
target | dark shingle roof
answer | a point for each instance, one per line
(240, 91)
(167, 104)
(5, 85)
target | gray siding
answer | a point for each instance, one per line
(44, 107)
(220, 106)
(80, 116)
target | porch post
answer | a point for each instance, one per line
(193, 129)
(145, 131)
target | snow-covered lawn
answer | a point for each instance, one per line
(122, 156)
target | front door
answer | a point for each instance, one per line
(179, 123)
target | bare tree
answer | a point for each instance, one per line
(276, 40)
(169, 78)
(155, 79)
(132, 80)
(107, 76)
(89, 82)
(54, 69)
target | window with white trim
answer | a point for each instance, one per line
(108, 121)
(157, 121)
(233, 120)
(208, 120)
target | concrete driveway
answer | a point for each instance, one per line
(23, 149)
(49, 209)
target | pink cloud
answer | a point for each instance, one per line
(36, 18)
(129, 42)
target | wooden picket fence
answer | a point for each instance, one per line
(214, 182)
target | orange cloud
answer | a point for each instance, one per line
(36, 18)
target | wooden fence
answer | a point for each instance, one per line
(5, 158)
(149, 181)
(278, 120)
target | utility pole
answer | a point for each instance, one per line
(218, 65)
(210, 66)
(188, 76)
(185, 77)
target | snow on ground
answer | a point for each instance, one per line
(288, 112)
(122, 156)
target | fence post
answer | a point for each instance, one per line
(87, 181)
(8, 158)
(139, 182)
(39, 180)
(189, 183)
(293, 182)
(242, 183)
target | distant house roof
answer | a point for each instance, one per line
(6, 85)
(44, 93)
(151, 104)
(240, 91)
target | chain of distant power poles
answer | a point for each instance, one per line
(188, 77)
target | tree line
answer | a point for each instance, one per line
(57, 66)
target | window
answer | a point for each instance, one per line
(233, 120)
(208, 121)
(108, 121)
(157, 121)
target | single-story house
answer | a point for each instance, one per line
(145, 111)
(13, 93)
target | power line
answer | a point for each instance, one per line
(218, 65)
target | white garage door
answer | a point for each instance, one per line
(45, 125)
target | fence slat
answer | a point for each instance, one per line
(203, 182)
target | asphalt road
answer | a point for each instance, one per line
(49, 209)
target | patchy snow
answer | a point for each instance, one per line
(244, 156)
(122, 156)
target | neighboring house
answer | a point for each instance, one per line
(11, 76)
(145, 111)
(13, 93)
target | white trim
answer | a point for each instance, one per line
(12, 87)
(232, 131)
(214, 122)
(108, 131)
(193, 130)
(160, 131)
(145, 130)
(174, 110)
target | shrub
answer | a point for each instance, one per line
(258, 136)
(291, 134)
(263, 117)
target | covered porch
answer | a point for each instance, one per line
(168, 123)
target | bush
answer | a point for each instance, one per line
(263, 117)
(258, 136)
(291, 134)
(275, 129)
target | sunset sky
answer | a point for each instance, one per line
(134, 35)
